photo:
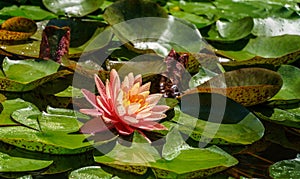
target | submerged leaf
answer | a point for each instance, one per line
(248, 86)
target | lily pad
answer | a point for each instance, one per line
(73, 8)
(90, 172)
(17, 28)
(9, 106)
(147, 27)
(247, 86)
(231, 31)
(287, 116)
(54, 135)
(30, 12)
(185, 165)
(286, 168)
(25, 75)
(272, 26)
(215, 120)
(10, 163)
(291, 83)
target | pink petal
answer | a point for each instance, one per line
(133, 108)
(100, 86)
(115, 83)
(153, 98)
(130, 79)
(144, 114)
(125, 84)
(160, 108)
(138, 79)
(119, 104)
(149, 125)
(92, 112)
(145, 87)
(90, 97)
(105, 108)
(155, 117)
(130, 119)
(123, 128)
(95, 125)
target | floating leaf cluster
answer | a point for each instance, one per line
(228, 72)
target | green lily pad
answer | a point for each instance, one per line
(247, 86)
(272, 47)
(90, 172)
(52, 142)
(140, 156)
(10, 163)
(276, 26)
(73, 8)
(288, 116)
(199, 21)
(30, 12)
(48, 133)
(144, 26)
(231, 31)
(239, 9)
(286, 169)
(216, 121)
(25, 75)
(291, 83)
(194, 163)
(9, 106)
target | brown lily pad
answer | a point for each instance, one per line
(17, 28)
(247, 86)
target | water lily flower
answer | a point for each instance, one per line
(126, 106)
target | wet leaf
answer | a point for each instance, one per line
(151, 29)
(9, 106)
(247, 86)
(287, 113)
(20, 164)
(72, 8)
(25, 75)
(199, 21)
(53, 136)
(90, 172)
(291, 83)
(239, 9)
(207, 162)
(17, 28)
(231, 31)
(30, 12)
(276, 26)
(286, 168)
(205, 117)
(272, 47)
(185, 165)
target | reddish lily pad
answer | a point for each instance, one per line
(247, 86)
(17, 28)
